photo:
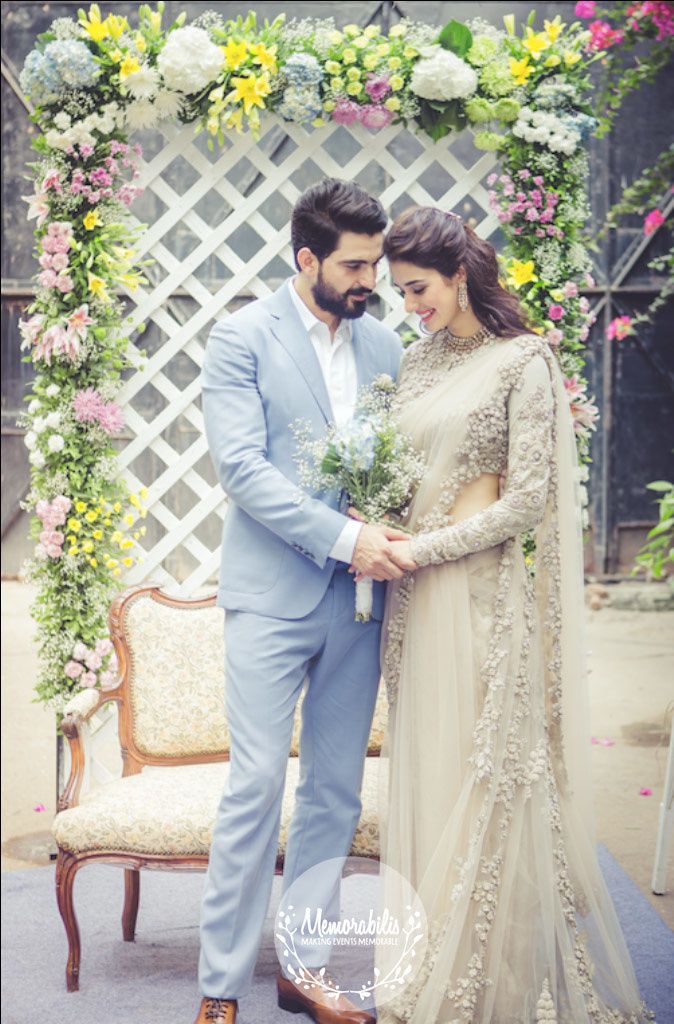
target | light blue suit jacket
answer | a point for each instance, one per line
(260, 374)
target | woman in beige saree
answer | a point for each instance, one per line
(487, 809)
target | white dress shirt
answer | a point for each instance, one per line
(338, 365)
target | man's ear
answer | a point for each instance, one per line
(306, 260)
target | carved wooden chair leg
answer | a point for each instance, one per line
(66, 869)
(131, 895)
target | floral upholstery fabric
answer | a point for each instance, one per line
(177, 682)
(171, 811)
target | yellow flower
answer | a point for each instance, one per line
(354, 88)
(74, 525)
(335, 38)
(394, 63)
(509, 22)
(396, 82)
(235, 53)
(333, 67)
(266, 58)
(129, 518)
(87, 546)
(370, 62)
(74, 550)
(553, 29)
(144, 493)
(552, 61)
(349, 56)
(520, 272)
(329, 106)
(410, 52)
(535, 42)
(115, 55)
(97, 535)
(251, 90)
(557, 294)
(94, 27)
(133, 500)
(382, 50)
(141, 45)
(520, 70)
(337, 84)
(371, 31)
(392, 103)
(155, 20)
(353, 74)
(396, 30)
(128, 66)
(143, 511)
(93, 562)
(91, 516)
(116, 536)
(116, 25)
(130, 280)
(571, 58)
(80, 506)
(361, 42)
(126, 544)
(127, 561)
(351, 30)
(143, 531)
(136, 535)
(107, 522)
(111, 563)
(72, 539)
(92, 219)
(116, 572)
(117, 507)
(213, 125)
(234, 119)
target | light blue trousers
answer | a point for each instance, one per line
(267, 660)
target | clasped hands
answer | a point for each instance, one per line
(381, 552)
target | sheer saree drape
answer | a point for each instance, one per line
(485, 800)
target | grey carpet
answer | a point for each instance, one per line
(153, 981)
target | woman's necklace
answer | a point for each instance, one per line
(459, 344)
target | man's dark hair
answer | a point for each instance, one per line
(328, 208)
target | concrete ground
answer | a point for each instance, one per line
(632, 701)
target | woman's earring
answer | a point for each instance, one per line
(463, 296)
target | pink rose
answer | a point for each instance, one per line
(653, 221)
(80, 651)
(554, 336)
(374, 116)
(88, 679)
(73, 669)
(589, 281)
(585, 8)
(47, 279)
(345, 112)
(93, 660)
(570, 290)
(54, 550)
(556, 312)
(103, 646)
(46, 261)
(59, 261)
(619, 328)
(64, 283)
(60, 244)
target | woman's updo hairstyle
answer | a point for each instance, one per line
(430, 238)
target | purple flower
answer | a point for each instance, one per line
(345, 112)
(377, 86)
(374, 115)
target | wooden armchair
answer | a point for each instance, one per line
(174, 742)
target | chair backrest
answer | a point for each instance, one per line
(171, 655)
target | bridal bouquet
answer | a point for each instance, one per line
(369, 459)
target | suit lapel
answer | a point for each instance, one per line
(290, 331)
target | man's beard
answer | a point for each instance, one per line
(332, 301)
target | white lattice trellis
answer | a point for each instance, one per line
(278, 161)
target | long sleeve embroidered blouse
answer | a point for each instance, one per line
(521, 507)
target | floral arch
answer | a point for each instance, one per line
(521, 92)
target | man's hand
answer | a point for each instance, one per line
(381, 552)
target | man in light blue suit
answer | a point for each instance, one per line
(286, 585)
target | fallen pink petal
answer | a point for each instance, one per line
(39, 807)
(645, 791)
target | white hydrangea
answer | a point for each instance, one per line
(62, 120)
(34, 406)
(545, 128)
(39, 424)
(189, 60)
(52, 391)
(56, 443)
(441, 75)
(53, 420)
(37, 459)
(30, 440)
(143, 84)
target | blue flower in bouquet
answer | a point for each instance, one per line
(582, 124)
(300, 103)
(303, 69)
(73, 62)
(39, 78)
(356, 444)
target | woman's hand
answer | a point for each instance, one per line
(401, 554)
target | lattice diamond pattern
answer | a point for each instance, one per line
(247, 256)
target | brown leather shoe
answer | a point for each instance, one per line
(217, 1011)
(321, 1007)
